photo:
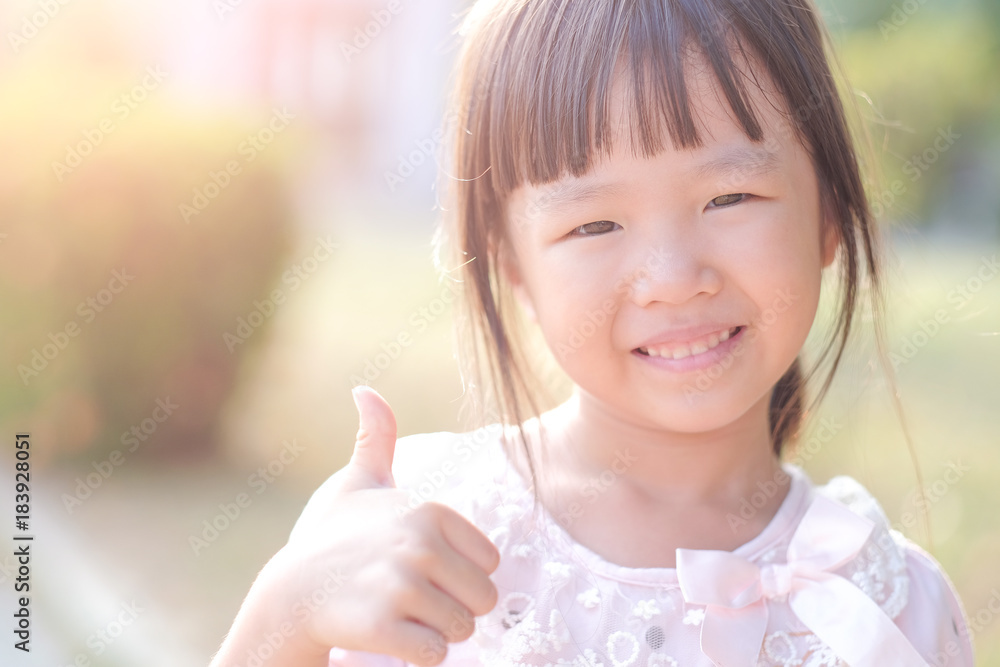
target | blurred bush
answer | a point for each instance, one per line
(67, 233)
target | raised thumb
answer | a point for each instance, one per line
(375, 444)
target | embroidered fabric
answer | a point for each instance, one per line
(561, 604)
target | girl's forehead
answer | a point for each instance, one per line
(562, 114)
(714, 119)
(723, 146)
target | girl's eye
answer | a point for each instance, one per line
(728, 200)
(595, 228)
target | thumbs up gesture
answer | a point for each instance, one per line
(369, 578)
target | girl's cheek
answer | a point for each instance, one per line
(570, 326)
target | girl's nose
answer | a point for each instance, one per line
(671, 273)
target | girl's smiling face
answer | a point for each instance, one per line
(677, 289)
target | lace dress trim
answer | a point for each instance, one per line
(561, 604)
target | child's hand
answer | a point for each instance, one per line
(379, 580)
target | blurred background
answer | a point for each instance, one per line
(215, 218)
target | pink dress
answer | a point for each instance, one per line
(827, 583)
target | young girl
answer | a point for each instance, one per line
(658, 186)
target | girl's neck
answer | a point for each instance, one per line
(666, 472)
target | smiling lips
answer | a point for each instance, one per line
(691, 348)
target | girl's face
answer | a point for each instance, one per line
(639, 270)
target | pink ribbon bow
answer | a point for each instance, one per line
(735, 592)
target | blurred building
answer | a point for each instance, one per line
(368, 75)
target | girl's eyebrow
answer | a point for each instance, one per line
(735, 162)
(572, 192)
(739, 161)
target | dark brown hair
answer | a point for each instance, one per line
(530, 103)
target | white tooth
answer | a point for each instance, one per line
(682, 352)
(724, 336)
(699, 347)
(652, 352)
(713, 341)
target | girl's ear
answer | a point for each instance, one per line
(511, 273)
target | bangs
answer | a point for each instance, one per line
(545, 86)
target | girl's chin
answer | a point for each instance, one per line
(675, 412)
(690, 424)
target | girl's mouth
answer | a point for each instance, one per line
(694, 355)
(693, 349)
